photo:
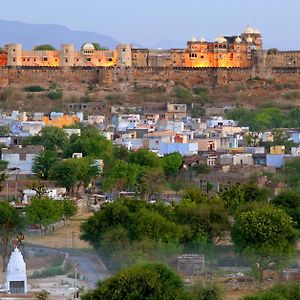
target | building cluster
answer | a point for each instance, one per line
(213, 141)
(225, 51)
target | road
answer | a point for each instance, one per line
(89, 264)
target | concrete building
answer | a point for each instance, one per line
(191, 264)
(185, 149)
(21, 158)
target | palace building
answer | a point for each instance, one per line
(224, 52)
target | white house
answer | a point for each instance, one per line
(21, 158)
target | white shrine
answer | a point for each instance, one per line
(16, 277)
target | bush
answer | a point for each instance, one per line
(182, 93)
(200, 91)
(34, 89)
(291, 95)
(55, 95)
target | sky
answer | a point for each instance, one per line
(149, 22)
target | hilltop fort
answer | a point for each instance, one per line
(226, 59)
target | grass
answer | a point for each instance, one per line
(52, 271)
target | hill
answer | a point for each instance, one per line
(30, 35)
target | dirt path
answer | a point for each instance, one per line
(66, 237)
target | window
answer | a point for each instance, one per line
(14, 50)
(14, 59)
(22, 156)
(88, 59)
(66, 60)
(45, 59)
(110, 59)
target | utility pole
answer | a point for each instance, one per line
(75, 281)
(73, 239)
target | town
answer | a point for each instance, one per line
(161, 154)
(149, 150)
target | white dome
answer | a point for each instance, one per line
(249, 39)
(88, 46)
(249, 30)
(238, 40)
(16, 265)
(202, 40)
(194, 39)
(220, 40)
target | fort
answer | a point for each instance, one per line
(225, 60)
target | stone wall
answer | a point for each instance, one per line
(126, 78)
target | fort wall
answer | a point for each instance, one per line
(120, 77)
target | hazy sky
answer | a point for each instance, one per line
(150, 21)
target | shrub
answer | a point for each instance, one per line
(200, 91)
(34, 89)
(55, 95)
(182, 93)
(291, 95)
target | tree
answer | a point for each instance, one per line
(44, 47)
(67, 207)
(4, 130)
(51, 137)
(65, 173)
(89, 143)
(147, 281)
(265, 235)
(172, 163)
(11, 222)
(209, 292)
(289, 201)
(145, 158)
(43, 163)
(99, 47)
(291, 172)
(39, 188)
(272, 51)
(207, 221)
(43, 212)
(150, 183)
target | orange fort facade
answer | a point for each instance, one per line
(224, 52)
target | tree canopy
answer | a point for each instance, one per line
(147, 281)
(264, 235)
(44, 47)
(11, 222)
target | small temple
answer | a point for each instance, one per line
(16, 278)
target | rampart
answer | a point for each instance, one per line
(119, 77)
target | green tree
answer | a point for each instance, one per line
(209, 292)
(73, 172)
(172, 163)
(39, 188)
(67, 207)
(207, 221)
(89, 143)
(44, 47)
(11, 222)
(291, 172)
(264, 235)
(4, 130)
(99, 47)
(43, 162)
(289, 201)
(51, 137)
(145, 158)
(43, 212)
(147, 281)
